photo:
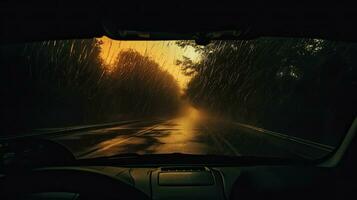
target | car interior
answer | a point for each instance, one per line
(32, 168)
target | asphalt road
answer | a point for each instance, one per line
(190, 134)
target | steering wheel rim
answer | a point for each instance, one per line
(88, 183)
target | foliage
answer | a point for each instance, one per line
(56, 83)
(286, 85)
(143, 85)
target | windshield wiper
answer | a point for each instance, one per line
(180, 158)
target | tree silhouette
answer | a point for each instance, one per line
(56, 83)
(286, 85)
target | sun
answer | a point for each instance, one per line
(191, 53)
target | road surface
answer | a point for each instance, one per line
(190, 134)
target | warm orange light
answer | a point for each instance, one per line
(163, 52)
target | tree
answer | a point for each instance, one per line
(57, 83)
(275, 83)
(144, 87)
(49, 82)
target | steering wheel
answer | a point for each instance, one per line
(88, 183)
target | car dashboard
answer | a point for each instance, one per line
(249, 182)
(247, 179)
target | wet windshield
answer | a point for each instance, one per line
(277, 97)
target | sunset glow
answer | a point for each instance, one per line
(165, 53)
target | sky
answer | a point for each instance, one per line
(165, 53)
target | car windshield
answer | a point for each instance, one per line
(267, 97)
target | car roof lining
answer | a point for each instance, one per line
(57, 20)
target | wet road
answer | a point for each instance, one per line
(186, 134)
